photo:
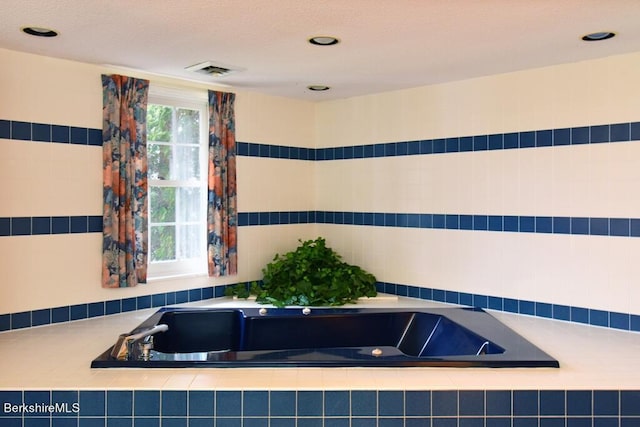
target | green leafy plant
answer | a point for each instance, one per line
(312, 275)
(243, 290)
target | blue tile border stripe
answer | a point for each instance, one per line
(276, 218)
(317, 407)
(48, 316)
(251, 149)
(39, 225)
(627, 227)
(613, 227)
(588, 316)
(597, 134)
(44, 132)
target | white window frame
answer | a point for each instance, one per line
(197, 100)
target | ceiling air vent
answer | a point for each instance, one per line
(210, 68)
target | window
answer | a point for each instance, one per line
(177, 153)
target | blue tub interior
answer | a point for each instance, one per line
(215, 337)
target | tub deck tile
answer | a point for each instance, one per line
(58, 357)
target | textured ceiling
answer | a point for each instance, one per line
(385, 45)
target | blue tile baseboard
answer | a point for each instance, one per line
(615, 227)
(47, 316)
(335, 408)
(588, 316)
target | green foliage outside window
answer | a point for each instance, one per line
(173, 159)
(159, 123)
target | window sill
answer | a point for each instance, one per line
(168, 277)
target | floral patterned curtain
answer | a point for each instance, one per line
(124, 157)
(222, 251)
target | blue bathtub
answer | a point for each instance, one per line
(367, 337)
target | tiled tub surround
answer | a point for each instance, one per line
(615, 320)
(596, 385)
(586, 226)
(594, 92)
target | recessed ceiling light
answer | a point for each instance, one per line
(594, 37)
(323, 40)
(39, 31)
(318, 88)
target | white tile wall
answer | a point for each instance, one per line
(49, 179)
(596, 180)
(591, 181)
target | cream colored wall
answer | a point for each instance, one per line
(41, 179)
(597, 180)
(582, 93)
(272, 185)
(49, 179)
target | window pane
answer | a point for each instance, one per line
(188, 126)
(159, 158)
(187, 163)
(192, 241)
(159, 123)
(162, 204)
(189, 206)
(173, 162)
(163, 243)
(177, 185)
